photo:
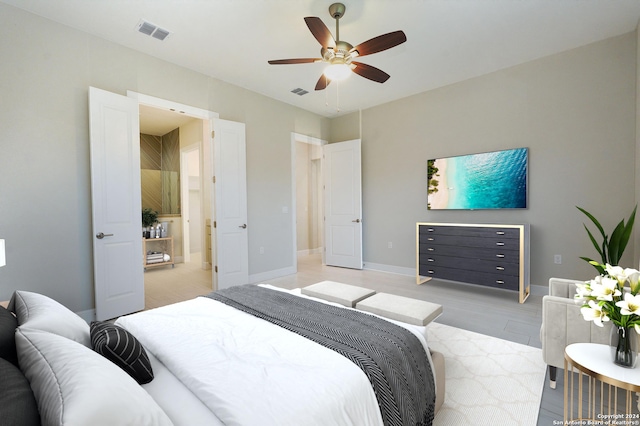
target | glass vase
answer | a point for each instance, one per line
(624, 346)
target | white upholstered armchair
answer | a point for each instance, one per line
(562, 325)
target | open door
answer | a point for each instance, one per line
(115, 194)
(230, 194)
(343, 204)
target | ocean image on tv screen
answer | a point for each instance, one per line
(491, 180)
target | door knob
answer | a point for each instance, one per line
(101, 235)
(356, 221)
(243, 226)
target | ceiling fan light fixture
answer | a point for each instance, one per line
(337, 72)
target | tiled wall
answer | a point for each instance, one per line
(160, 172)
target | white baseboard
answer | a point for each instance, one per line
(389, 268)
(309, 252)
(276, 273)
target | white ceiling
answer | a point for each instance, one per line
(447, 40)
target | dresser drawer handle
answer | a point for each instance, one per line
(430, 249)
(500, 232)
(499, 268)
(501, 256)
(500, 244)
(430, 260)
(430, 239)
(429, 229)
(430, 271)
(499, 282)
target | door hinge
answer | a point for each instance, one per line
(213, 179)
(213, 134)
(215, 224)
(216, 269)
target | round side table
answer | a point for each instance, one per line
(609, 388)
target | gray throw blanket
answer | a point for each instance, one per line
(392, 357)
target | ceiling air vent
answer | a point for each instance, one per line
(299, 91)
(152, 30)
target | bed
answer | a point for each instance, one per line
(212, 362)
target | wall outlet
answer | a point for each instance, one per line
(557, 259)
(261, 250)
(390, 244)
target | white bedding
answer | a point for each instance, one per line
(247, 371)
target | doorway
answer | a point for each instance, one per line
(182, 157)
(307, 197)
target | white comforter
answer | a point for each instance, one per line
(250, 372)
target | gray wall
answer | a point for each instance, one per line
(575, 111)
(45, 207)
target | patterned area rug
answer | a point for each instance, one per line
(489, 381)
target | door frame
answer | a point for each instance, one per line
(206, 145)
(298, 137)
(185, 210)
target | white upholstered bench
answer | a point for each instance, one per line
(344, 294)
(399, 308)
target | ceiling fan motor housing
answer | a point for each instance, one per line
(337, 10)
(341, 54)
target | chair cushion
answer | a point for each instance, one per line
(399, 308)
(344, 294)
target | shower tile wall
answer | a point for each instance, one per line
(160, 172)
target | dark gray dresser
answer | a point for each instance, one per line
(490, 255)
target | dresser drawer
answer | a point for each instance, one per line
(498, 267)
(512, 256)
(470, 231)
(486, 242)
(508, 282)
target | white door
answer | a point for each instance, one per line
(230, 188)
(115, 194)
(343, 204)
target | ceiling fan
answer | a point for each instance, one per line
(340, 54)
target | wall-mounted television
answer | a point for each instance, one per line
(489, 180)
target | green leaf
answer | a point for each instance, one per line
(594, 220)
(594, 263)
(614, 244)
(596, 245)
(626, 234)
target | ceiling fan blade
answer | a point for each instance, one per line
(380, 43)
(294, 61)
(320, 31)
(372, 73)
(322, 83)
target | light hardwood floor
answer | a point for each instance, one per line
(488, 311)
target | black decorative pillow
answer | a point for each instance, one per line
(8, 325)
(123, 349)
(17, 404)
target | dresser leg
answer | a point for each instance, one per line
(553, 372)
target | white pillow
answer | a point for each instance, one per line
(40, 312)
(75, 386)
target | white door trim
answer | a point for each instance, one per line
(298, 137)
(184, 200)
